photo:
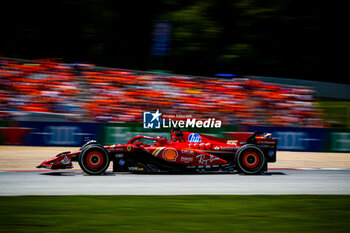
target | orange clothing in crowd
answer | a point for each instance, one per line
(104, 94)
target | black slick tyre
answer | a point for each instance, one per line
(250, 160)
(94, 160)
(91, 142)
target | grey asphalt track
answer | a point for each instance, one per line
(77, 183)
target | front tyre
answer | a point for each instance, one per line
(91, 142)
(94, 160)
(250, 160)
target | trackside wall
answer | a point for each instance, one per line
(33, 133)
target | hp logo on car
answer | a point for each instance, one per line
(193, 137)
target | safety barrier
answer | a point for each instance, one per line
(308, 139)
(33, 133)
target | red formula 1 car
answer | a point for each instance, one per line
(185, 152)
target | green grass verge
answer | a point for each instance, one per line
(336, 112)
(285, 213)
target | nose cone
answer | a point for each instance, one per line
(47, 163)
(61, 161)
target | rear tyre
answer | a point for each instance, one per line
(94, 160)
(250, 160)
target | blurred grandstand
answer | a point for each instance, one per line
(85, 92)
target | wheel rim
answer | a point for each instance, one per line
(94, 159)
(251, 159)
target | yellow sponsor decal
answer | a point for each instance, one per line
(156, 151)
(128, 148)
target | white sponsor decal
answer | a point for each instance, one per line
(266, 142)
(186, 159)
(232, 142)
(203, 160)
(65, 160)
(187, 152)
(227, 148)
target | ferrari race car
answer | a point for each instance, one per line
(185, 152)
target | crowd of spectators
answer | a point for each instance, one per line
(91, 93)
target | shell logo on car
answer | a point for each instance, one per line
(167, 153)
(170, 154)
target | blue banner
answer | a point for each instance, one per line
(296, 139)
(161, 38)
(60, 133)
